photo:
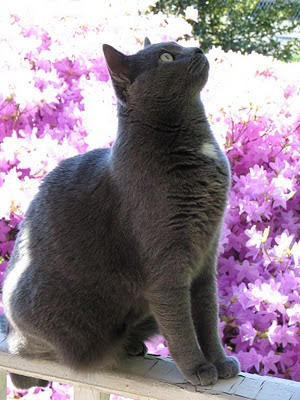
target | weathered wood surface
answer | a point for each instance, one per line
(2, 384)
(149, 378)
(89, 394)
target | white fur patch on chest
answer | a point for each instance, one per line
(209, 150)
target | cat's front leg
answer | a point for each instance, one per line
(172, 310)
(205, 317)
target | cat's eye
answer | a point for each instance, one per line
(166, 57)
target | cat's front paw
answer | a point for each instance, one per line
(205, 374)
(136, 348)
(227, 367)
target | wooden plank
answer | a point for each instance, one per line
(167, 370)
(150, 378)
(228, 386)
(248, 387)
(131, 385)
(104, 396)
(81, 393)
(2, 384)
(274, 391)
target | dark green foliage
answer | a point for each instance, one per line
(241, 25)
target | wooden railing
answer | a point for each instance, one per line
(146, 378)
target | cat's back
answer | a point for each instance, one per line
(70, 207)
(70, 184)
(76, 176)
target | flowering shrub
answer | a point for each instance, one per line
(259, 275)
(56, 101)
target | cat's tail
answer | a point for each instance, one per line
(19, 381)
(3, 327)
(26, 382)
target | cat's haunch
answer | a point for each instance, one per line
(120, 244)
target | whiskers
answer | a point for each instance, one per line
(197, 72)
(196, 65)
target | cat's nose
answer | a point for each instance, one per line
(198, 50)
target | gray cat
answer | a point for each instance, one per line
(122, 243)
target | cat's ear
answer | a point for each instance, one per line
(117, 63)
(118, 67)
(146, 42)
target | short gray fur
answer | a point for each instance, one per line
(120, 243)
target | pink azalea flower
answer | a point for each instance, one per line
(250, 359)
(247, 333)
(269, 362)
(294, 314)
(282, 334)
(247, 271)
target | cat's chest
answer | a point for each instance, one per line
(197, 191)
(210, 150)
(204, 163)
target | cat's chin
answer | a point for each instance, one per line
(200, 75)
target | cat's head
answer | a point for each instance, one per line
(162, 71)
